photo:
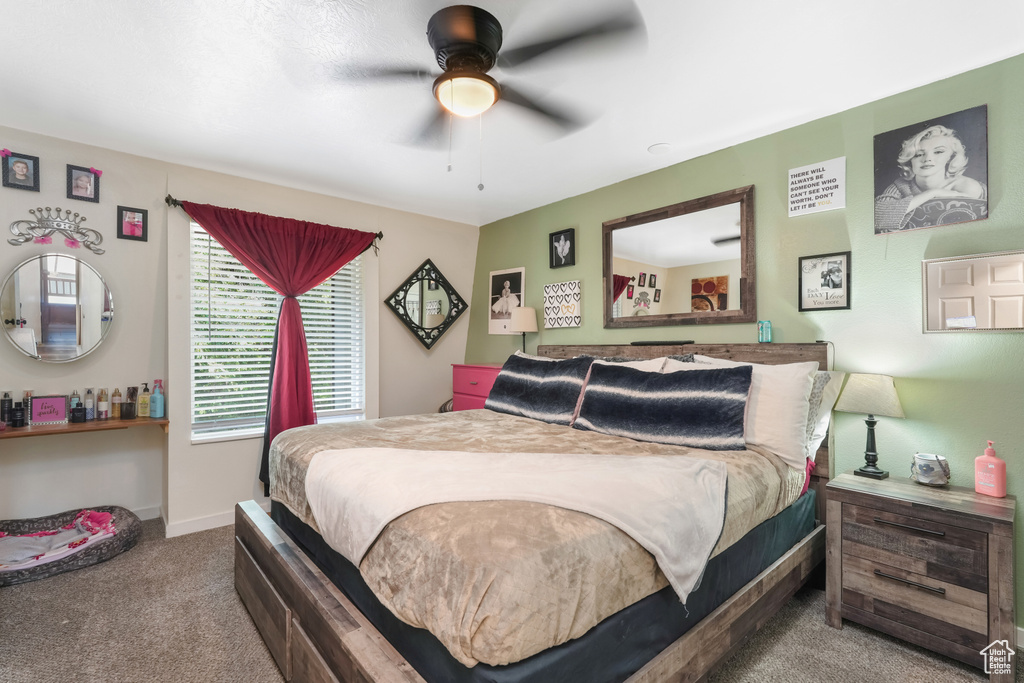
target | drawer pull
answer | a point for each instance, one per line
(472, 382)
(915, 584)
(912, 528)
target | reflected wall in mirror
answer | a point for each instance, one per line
(56, 308)
(693, 263)
(426, 303)
(978, 293)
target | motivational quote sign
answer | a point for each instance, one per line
(818, 187)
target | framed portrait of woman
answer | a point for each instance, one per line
(932, 173)
(83, 184)
(507, 288)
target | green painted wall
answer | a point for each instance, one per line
(957, 389)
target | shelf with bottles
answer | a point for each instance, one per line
(78, 427)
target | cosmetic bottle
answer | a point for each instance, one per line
(144, 400)
(115, 405)
(129, 406)
(17, 415)
(103, 406)
(74, 399)
(6, 404)
(990, 474)
(26, 405)
(90, 405)
(156, 401)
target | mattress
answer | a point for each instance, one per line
(500, 581)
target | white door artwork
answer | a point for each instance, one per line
(973, 293)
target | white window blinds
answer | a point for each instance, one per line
(232, 332)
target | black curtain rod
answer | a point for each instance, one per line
(171, 201)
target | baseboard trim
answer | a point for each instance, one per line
(148, 513)
(191, 526)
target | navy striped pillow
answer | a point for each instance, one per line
(539, 389)
(697, 408)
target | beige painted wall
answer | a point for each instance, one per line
(193, 486)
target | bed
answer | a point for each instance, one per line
(318, 631)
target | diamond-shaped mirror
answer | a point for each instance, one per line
(427, 303)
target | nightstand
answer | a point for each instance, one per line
(471, 385)
(932, 566)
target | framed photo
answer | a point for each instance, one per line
(944, 159)
(506, 293)
(629, 292)
(132, 224)
(83, 184)
(824, 282)
(652, 281)
(657, 296)
(48, 410)
(21, 172)
(431, 285)
(562, 248)
(709, 294)
(641, 281)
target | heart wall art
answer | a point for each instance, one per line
(562, 305)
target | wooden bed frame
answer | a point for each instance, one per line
(316, 634)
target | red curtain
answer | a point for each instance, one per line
(291, 257)
(619, 283)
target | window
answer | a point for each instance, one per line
(232, 332)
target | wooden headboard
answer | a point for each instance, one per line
(768, 354)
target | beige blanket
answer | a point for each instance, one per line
(672, 506)
(498, 581)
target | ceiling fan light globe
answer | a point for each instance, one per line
(466, 94)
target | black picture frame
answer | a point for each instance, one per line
(562, 248)
(657, 296)
(10, 177)
(652, 280)
(74, 174)
(823, 282)
(128, 227)
(641, 280)
(629, 291)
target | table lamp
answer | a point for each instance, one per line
(524, 319)
(871, 395)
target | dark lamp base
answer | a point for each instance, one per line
(871, 471)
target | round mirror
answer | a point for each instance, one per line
(56, 308)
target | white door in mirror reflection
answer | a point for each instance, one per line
(976, 294)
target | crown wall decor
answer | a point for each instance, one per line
(48, 221)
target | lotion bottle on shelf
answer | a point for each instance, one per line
(156, 401)
(990, 474)
(144, 400)
(103, 405)
(90, 405)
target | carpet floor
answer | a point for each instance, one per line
(167, 611)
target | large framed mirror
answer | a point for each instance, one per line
(426, 303)
(56, 308)
(699, 254)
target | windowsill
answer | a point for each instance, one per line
(257, 432)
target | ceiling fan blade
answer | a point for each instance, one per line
(433, 131)
(363, 72)
(560, 118)
(725, 240)
(623, 24)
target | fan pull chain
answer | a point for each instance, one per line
(481, 185)
(451, 117)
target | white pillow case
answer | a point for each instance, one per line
(776, 415)
(817, 429)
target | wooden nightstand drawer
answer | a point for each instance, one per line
(942, 609)
(940, 551)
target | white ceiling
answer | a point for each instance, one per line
(251, 87)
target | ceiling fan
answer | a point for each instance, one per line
(466, 41)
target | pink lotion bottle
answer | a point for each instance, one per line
(990, 474)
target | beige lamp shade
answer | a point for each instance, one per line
(524, 319)
(870, 395)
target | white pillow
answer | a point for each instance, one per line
(821, 414)
(777, 408)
